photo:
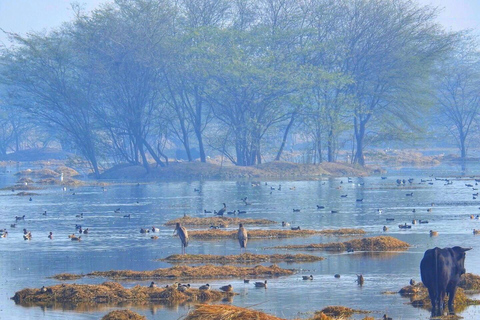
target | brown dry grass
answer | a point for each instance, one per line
(67, 172)
(418, 295)
(217, 221)
(470, 281)
(40, 173)
(262, 234)
(67, 276)
(242, 258)
(66, 182)
(380, 243)
(339, 311)
(198, 272)
(108, 292)
(26, 194)
(123, 315)
(226, 312)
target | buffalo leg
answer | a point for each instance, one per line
(433, 300)
(451, 300)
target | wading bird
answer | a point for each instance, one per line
(183, 234)
(242, 237)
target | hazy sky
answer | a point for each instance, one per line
(21, 16)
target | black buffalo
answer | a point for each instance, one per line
(441, 270)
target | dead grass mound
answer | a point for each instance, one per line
(112, 292)
(21, 187)
(40, 173)
(67, 276)
(470, 281)
(67, 172)
(123, 315)
(226, 312)
(380, 243)
(339, 311)
(217, 221)
(418, 295)
(242, 258)
(56, 181)
(262, 234)
(26, 194)
(197, 272)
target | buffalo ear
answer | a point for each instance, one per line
(466, 249)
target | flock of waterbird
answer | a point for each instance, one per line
(242, 234)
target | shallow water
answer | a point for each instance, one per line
(115, 242)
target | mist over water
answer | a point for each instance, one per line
(115, 243)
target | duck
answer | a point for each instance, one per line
(360, 279)
(476, 231)
(183, 287)
(412, 282)
(127, 216)
(285, 224)
(207, 211)
(385, 228)
(17, 218)
(246, 202)
(310, 277)
(152, 285)
(261, 284)
(320, 207)
(246, 280)
(27, 236)
(50, 235)
(385, 317)
(86, 231)
(144, 230)
(433, 233)
(205, 287)
(295, 228)
(296, 210)
(227, 288)
(116, 210)
(221, 211)
(74, 238)
(155, 229)
(337, 275)
(154, 237)
(79, 215)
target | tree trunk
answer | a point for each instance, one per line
(153, 153)
(285, 135)
(359, 136)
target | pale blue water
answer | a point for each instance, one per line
(115, 242)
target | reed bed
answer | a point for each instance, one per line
(216, 221)
(67, 276)
(197, 272)
(242, 258)
(263, 234)
(380, 243)
(226, 312)
(112, 292)
(123, 315)
(470, 281)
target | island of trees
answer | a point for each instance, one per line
(126, 82)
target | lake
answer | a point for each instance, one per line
(115, 243)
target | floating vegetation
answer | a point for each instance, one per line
(339, 311)
(223, 311)
(26, 194)
(123, 315)
(216, 221)
(198, 272)
(67, 276)
(380, 243)
(242, 258)
(419, 297)
(262, 234)
(109, 292)
(470, 281)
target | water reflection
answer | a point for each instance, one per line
(114, 242)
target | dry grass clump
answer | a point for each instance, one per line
(26, 194)
(67, 172)
(226, 312)
(242, 258)
(261, 234)
(56, 181)
(380, 243)
(123, 315)
(198, 272)
(40, 173)
(67, 276)
(418, 295)
(339, 311)
(112, 292)
(470, 281)
(217, 221)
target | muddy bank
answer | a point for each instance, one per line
(217, 221)
(123, 315)
(187, 272)
(242, 258)
(264, 234)
(223, 312)
(381, 243)
(109, 292)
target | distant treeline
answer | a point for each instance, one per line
(239, 78)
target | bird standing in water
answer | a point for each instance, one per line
(242, 237)
(183, 234)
